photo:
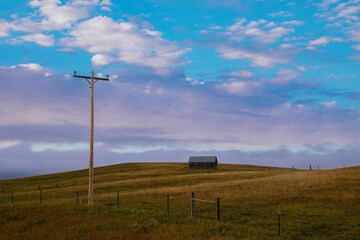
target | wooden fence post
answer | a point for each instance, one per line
(40, 195)
(12, 197)
(279, 223)
(118, 199)
(77, 197)
(192, 205)
(168, 204)
(218, 209)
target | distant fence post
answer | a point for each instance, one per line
(118, 199)
(218, 209)
(168, 204)
(279, 223)
(310, 167)
(77, 197)
(192, 205)
(40, 195)
(12, 197)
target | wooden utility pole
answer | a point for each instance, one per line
(91, 80)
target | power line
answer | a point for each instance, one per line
(25, 91)
(28, 106)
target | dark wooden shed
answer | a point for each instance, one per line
(203, 162)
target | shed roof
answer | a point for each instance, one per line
(202, 159)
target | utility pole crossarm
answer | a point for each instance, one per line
(89, 77)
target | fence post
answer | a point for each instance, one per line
(77, 197)
(218, 209)
(118, 199)
(168, 204)
(279, 223)
(40, 195)
(192, 205)
(12, 197)
(310, 167)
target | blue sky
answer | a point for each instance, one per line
(257, 82)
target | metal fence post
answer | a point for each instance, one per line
(192, 205)
(218, 209)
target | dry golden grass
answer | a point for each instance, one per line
(314, 204)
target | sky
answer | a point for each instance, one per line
(272, 83)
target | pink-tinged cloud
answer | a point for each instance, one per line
(119, 41)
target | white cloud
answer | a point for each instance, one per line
(355, 36)
(101, 60)
(30, 66)
(106, 8)
(106, 2)
(261, 31)
(58, 16)
(39, 38)
(284, 76)
(193, 81)
(327, 3)
(242, 88)
(261, 59)
(292, 23)
(281, 14)
(323, 41)
(241, 74)
(61, 147)
(122, 42)
(50, 15)
(270, 25)
(4, 28)
(138, 149)
(357, 47)
(7, 144)
(329, 104)
(276, 33)
(346, 12)
(85, 2)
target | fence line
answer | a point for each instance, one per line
(217, 202)
(193, 200)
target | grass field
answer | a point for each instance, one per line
(314, 204)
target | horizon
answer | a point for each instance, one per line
(256, 82)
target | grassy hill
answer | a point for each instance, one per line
(313, 204)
